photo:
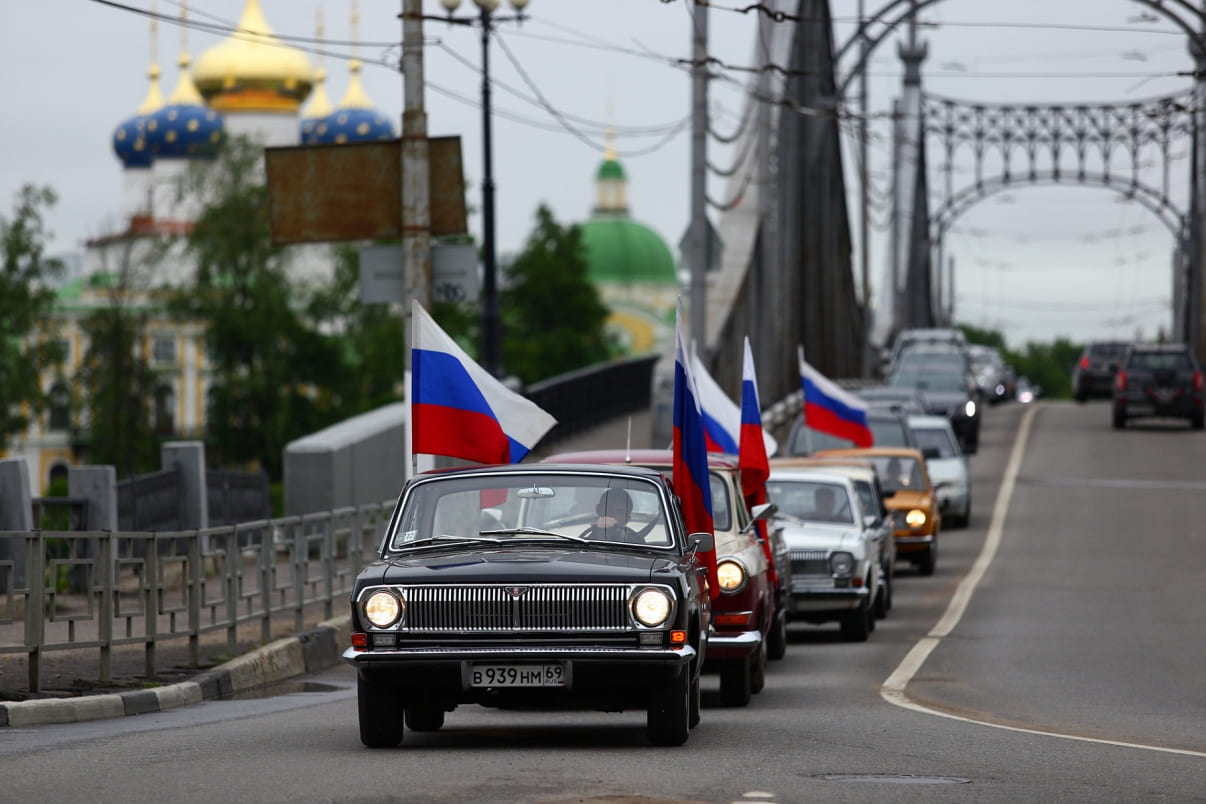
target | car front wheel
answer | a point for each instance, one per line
(424, 718)
(669, 714)
(735, 682)
(380, 708)
(1119, 418)
(856, 625)
(776, 647)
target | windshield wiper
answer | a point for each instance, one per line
(532, 532)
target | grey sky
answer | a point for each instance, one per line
(1034, 263)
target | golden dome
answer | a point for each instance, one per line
(153, 102)
(252, 70)
(320, 104)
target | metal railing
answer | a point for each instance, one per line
(148, 588)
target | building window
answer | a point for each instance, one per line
(163, 351)
(165, 404)
(60, 407)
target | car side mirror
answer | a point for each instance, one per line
(701, 542)
(758, 513)
(870, 521)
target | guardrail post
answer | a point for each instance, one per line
(194, 599)
(300, 554)
(35, 604)
(105, 612)
(153, 591)
(328, 559)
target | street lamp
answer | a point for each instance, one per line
(491, 322)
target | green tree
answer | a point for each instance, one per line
(272, 372)
(26, 301)
(553, 319)
(117, 381)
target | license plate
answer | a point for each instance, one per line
(517, 675)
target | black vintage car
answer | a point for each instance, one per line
(522, 587)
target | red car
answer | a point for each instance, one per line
(749, 618)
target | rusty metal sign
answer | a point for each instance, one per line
(353, 191)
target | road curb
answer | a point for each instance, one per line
(286, 658)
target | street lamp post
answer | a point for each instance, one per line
(491, 321)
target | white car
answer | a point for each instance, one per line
(834, 547)
(947, 467)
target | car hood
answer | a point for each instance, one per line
(946, 469)
(521, 565)
(821, 536)
(944, 401)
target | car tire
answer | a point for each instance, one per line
(380, 709)
(1119, 419)
(696, 702)
(856, 625)
(1197, 422)
(776, 647)
(424, 718)
(928, 561)
(881, 602)
(668, 719)
(758, 671)
(735, 682)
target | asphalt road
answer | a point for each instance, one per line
(1069, 671)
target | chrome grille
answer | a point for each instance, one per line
(809, 562)
(505, 608)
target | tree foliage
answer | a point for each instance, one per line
(272, 373)
(116, 378)
(26, 300)
(552, 317)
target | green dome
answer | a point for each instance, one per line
(610, 169)
(622, 251)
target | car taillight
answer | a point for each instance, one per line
(1084, 362)
(1120, 380)
(1197, 381)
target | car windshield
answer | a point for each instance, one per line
(928, 379)
(897, 473)
(811, 501)
(885, 432)
(936, 438)
(1157, 361)
(722, 501)
(521, 507)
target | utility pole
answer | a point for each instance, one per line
(698, 241)
(864, 176)
(416, 202)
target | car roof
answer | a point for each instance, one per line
(818, 475)
(807, 461)
(874, 452)
(635, 457)
(930, 421)
(539, 468)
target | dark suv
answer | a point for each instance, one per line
(1095, 370)
(1158, 380)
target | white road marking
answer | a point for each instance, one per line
(893, 690)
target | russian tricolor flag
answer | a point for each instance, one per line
(753, 450)
(690, 454)
(723, 419)
(458, 410)
(830, 409)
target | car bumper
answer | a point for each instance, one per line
(1181, 406)
(953, 501)
(815, 600)
(914, 543)
(733, 645)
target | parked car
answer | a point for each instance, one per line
(911, 497)
(1093, 375)
(888, 428)
(749, 617)
(834, 550)
(1158, 379)
(865, 477)
(949, 391)
(947, 467)
(488, 589)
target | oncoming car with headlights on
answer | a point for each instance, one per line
(912, 499)
(749, 615)
(531, 586)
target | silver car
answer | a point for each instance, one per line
(947, 467)
(835, 550)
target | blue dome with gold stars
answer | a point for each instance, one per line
(354, 119)
(185, 127)
(130, 136)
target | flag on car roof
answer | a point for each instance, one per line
(689, 462)
(830, 409)
(723, 419)
(752, 452)
(458, 409)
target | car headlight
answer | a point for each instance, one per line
(915, 518)
(382, 608)
(652, 607)
(731, 575)
(842, 564)
(970, 409)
